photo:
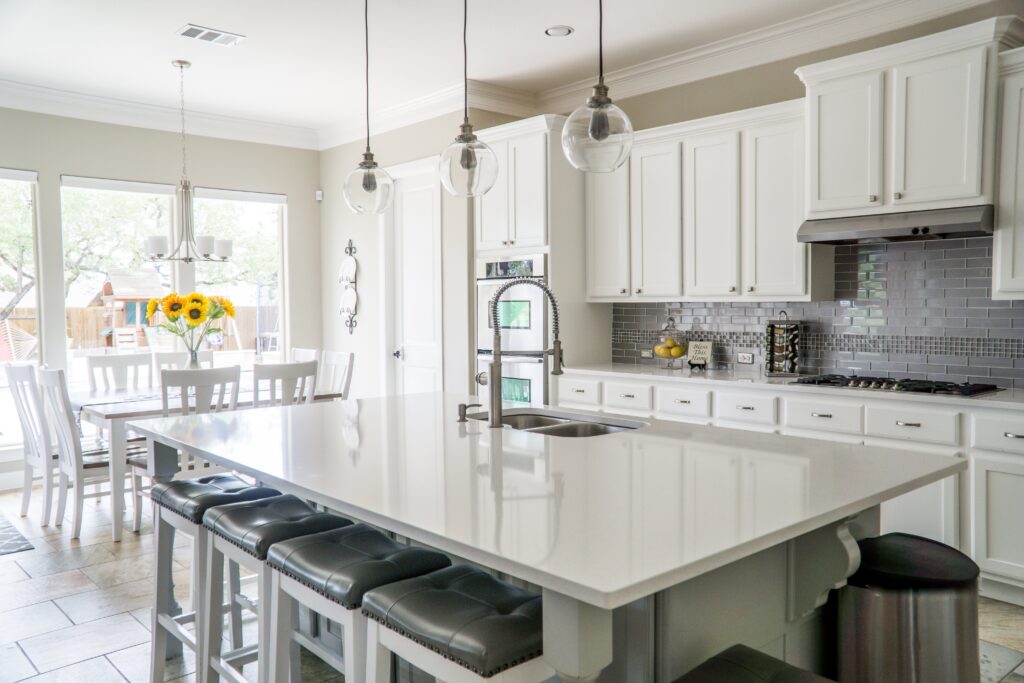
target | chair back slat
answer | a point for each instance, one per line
(116, 368)
(306, 355)
(62, 417)
(288, 383)
(28, 402)
(197, 388)
(336, 374)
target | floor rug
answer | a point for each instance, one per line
(11, 541)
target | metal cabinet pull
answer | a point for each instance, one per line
(624, 291)
(744, 407)
(579, 391)
(750, 288)
(627, 395)
(872, 198)
(897, 195)
(1011, 435)
(732, 289)
(639, 290)
(683, 401)
(827, 416)
(901, 423)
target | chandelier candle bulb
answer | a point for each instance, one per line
(223, 249)
(204, 245)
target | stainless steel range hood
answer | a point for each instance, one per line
(967, 221)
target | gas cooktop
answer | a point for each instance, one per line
(919, 386)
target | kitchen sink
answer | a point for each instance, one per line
(560, 423)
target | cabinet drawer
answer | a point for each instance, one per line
(999, 433)
(745, 408)
(912, 424)
(586, 391)
(683, 402)
(844, 418)
(630, 396)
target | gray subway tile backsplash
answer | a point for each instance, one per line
(914, 309)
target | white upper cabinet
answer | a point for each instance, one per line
(845, 131)
(937, 110)
(774, 263)
(905, 127)
(514, 213)
(1008, 246)
(711, 214)
(608, 234)
(656, 234)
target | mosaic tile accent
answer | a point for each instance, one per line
(916, 309)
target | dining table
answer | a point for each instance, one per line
(109, 410)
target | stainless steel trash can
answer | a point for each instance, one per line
(909, 614)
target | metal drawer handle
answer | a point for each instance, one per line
(827, 416)
(683, 401)
(745, 407)
(579, 391)
(627, 395)
(901, 423)
(1011, 435)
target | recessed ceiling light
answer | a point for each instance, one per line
(210, 35)
(559, 31)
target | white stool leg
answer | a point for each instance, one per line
(161, 598)
(212, 613)
(353, 637)
(234, 588)
(266, 601)
(284, 664)
(378, 657)
(136, 501)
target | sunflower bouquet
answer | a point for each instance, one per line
(191, 317)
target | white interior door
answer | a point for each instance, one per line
(415, 219)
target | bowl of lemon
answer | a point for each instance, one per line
(669, 346)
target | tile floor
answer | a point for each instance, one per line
(78, 610)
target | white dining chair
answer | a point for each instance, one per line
(336, 372)
(178, 360)
(37, 446)
(114, 369)
(287, 383)
(77, 466)
(300, 355)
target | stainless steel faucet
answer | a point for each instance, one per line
(493, 378)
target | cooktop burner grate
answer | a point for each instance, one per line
(918, 386)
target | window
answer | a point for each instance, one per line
(19, 329)
(252, 276)
(107, 279)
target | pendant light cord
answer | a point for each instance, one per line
(465, 61)
(600, 41)
(366, 46)
(181, 90)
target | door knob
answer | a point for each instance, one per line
(398, 354)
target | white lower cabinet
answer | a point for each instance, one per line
(579, 391)
(746, 410)
(826, 416)
(631, 397)
(998, 513)
(677, 403)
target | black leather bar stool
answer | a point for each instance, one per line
(741, 664)
(329, 573)
(243, 533)
(179, 506)
(460, 625)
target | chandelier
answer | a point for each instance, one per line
(190, 247)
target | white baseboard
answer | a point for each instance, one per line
(1001, 589)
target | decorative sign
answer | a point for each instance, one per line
(699, 354)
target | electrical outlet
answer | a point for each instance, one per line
(646, 353)
(745, 358)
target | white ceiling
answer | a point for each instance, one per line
(301, 62)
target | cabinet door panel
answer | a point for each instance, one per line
(711, 203)
(845, 143)
(774, 263)
(1008, 247)
(492, 226)
(938, 105)
(608, 233)
(655, 224)
(527, 158)
(998, 511)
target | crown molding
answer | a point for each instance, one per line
(14, 95)
(850, 21)
(444, 101)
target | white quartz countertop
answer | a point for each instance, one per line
(605, 519)
(1012, 399)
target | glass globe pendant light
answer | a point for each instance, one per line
(468, 166)
(368, 188)
(597, 137)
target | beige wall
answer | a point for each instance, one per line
(54, 145)
(776, 82)
(340, 224)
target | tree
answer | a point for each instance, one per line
(255, 231)
(17, 249)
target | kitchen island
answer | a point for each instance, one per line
(659, 545)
